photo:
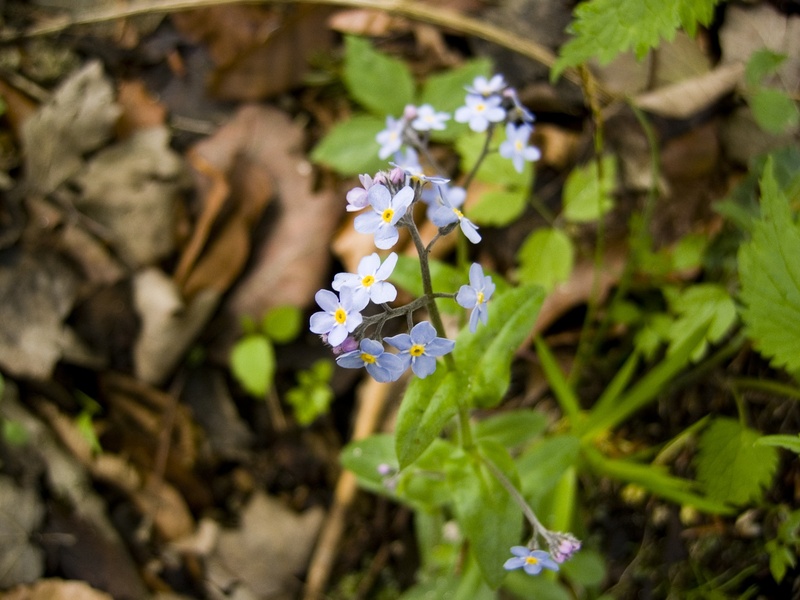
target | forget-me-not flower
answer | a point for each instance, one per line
(519, 112)
(427, 119)
(516, 146)
(420, 347)
(455, 195)
(530, 561)
(483, 87)
(386, 212)
(370, 281)
(480, 111)
(382, 365)
(443, 213)
(391, 138)
(339, 316)
(475, 295)
(357, 197)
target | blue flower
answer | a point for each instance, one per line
(386, 212)
(531, 561)
(357, 197)
(483, 87)
(443, 213)
(391, 138)
(427, 119)
(340, 315)
(480, 111)
(475, 295)
(381, 365)
(519, 112)
(420, 348)
(516, 146)
(370, 281)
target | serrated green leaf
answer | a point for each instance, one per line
(788, 442)
(445, 92)
(282, 324)
(253, 364)
(774, 110)
(730, 465)
(511, 428)
(498, 208)
(350, 148)
(428, 405)
(486, 513)
(484, 358)
(770, 279)
(605, 28)
(761, 63)
(494, 168)
(380, 83)
(586, 197)
(546, 258)
(702, 304)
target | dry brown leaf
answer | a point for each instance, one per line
(688, 97)
(131, 189)
(259, 51)
(56, 589)
(140, 109)
(21, 512)
(367, 22)
(292, 261)
(77, 119)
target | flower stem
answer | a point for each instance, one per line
(515, 494)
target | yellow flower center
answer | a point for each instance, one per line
(480, 298)
(458, 213)
(387, 215)
(480, 107)
(368, 281)
(531, 560)
(519, 146)
(416, 350)
(367, 358)
(340, 315)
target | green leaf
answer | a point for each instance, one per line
(546, 258)
(444, 278)
(350, 147)
(702, 304)
(788, 442)
(542, 465)
(604, 29)
(511, 428)
(559, 385)
(523, 585)
(586, 568)
(380, 83)
(654, 479)
(731, 466)
(494, 168)
(310, 401)
(761, 63)
(253, 364)
(586, 196)
(498, 208)
(364, 457)
(484, 358)
(428, 405)
(774, 110)
(486, 513)
(85, 426)
(445, 92)
(282, 324)
(770, 279)
(423, 485)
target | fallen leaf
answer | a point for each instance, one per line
(169, 325)
(55, 589)
(140, 108)
(130, 189)
(38, 290)
(259, 51)
(21, 512)
(78, 118)
(264, 531)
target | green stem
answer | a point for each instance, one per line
(516, 495)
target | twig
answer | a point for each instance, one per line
(372, 398)
(427, 13)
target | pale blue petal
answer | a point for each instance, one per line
(401, 341)
(368, 265)
(381, 292)
(321, 322)
(327, 300)
(351, 360)
(337, 335)
(439, 347)
(371, 347)
(380, 198)
(467, 297)
(422, 366)
(341, 280)
(470, 231)
(473, 319)
(367, 222)
(386, 237)
(476, 276)
(514, 563)
(422, 333)
(385, 270)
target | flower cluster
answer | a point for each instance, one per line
(488, 103)
(385, 202)
(561, 547)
